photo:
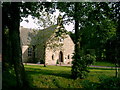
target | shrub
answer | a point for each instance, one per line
(80, 65)
(8, 79)
(30, 60)
(89, 85)
(110, 83)
(41, 61)
(88, 59)
(105, 83)
(57, 62)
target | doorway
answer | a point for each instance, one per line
(61, 56)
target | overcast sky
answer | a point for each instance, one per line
(33, 25)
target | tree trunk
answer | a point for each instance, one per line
(6, 48)
(44, 55)
(77, 45)
(16, 46)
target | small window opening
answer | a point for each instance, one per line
(52, 57)
(68, 56)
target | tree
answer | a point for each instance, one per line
(76, 12)
(13, 12)
(116, 18)
(15, 42)
(98, 28)
(103, 19)
(93, 29)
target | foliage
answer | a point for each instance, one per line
(87, 84)
(46, 19)
(98, 27)
(93, 27)
(88, 59)
(76, 12)
(57, 62)
(30, 60)
(105, 83)
(109, 83)
(72, 35)
(8, 76)
(9, 80)
(12, 13)
(99, 18)
(81, 69)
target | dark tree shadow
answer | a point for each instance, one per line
(102, 68)
(34, 71)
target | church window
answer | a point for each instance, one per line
(52, 57)
(29, 51)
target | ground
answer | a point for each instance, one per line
(59, 76)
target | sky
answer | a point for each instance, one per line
(31, 24)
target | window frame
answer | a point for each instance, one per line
(29, 52)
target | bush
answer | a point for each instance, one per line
(89, 85)
(30, 60)
(105, 83)
(8, 79)
(88, 59)
(57, 62)
(41, 61)
(80, 65)
(109, 83)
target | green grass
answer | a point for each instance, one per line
(59, 76)
(104, 64)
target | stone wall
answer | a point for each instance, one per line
(25, 57)
(67, 49)
(24, 53)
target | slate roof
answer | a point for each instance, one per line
(24, 35)
(43, 35)
(39, 37)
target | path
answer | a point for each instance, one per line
(71, 65)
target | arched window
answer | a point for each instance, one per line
(53, 57)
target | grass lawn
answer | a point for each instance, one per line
(59, 76)
(104, 64)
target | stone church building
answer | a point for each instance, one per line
(52, 45)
